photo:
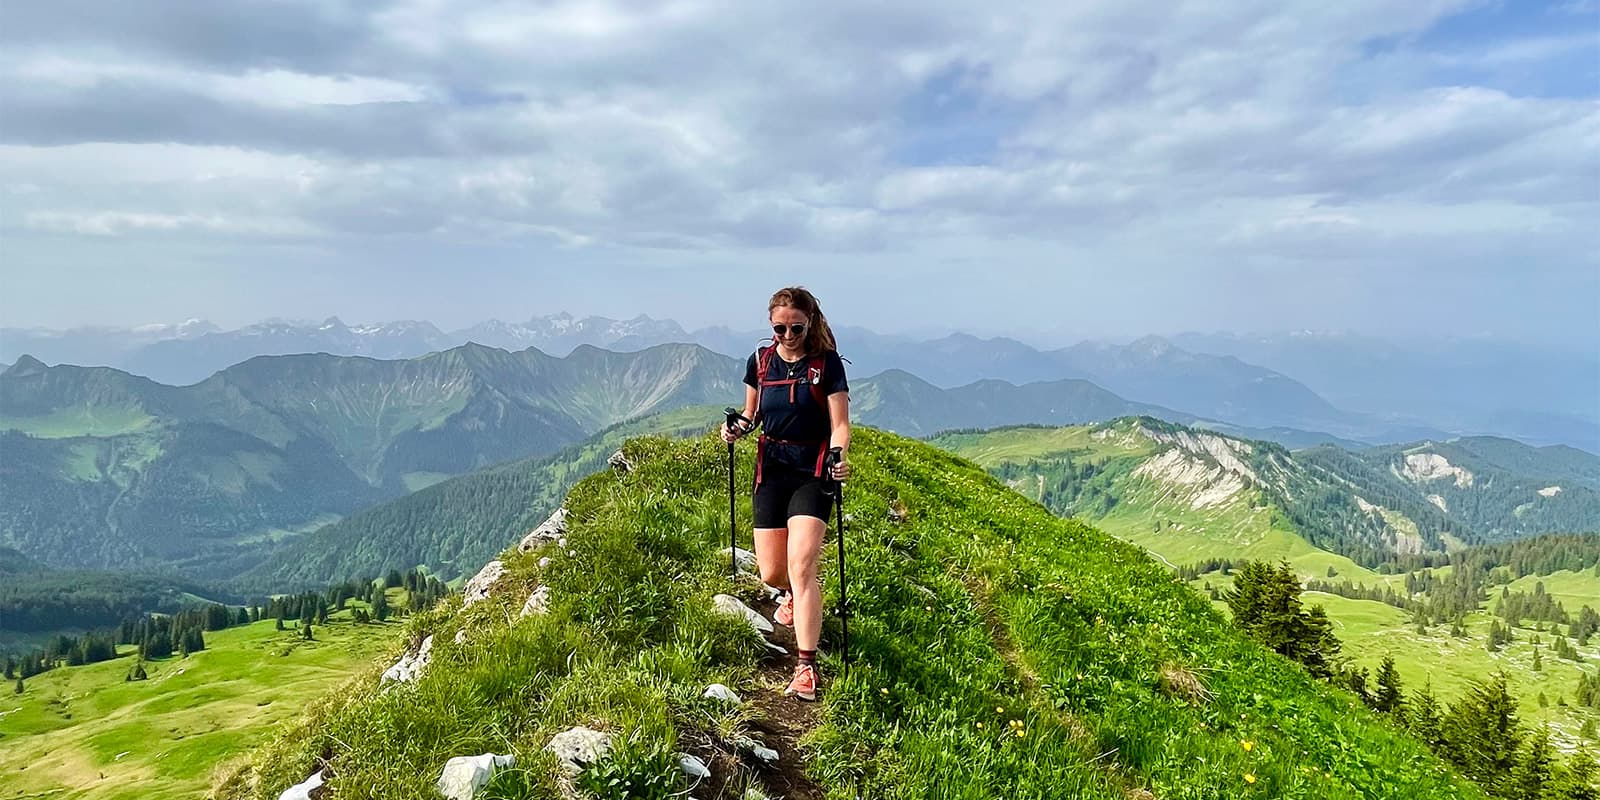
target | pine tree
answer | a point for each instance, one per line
(1482, 733)
(19, 686)
(380, 606)
(1532, 773)
(306, 632)
(1388, 698)
(1538, 665)
(1574, 780)
(278, 624)
(1423, 717)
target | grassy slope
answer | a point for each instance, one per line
(1233, 529)
(164, 737)
(1573, 590)
(1369, 630)
(981, 609)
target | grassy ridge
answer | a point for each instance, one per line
(82, 732)
(981, 610)
(1241, 529)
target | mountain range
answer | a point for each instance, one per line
(1355, 388)
(101, 468)
(1191, 495)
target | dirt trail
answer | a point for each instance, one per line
(784, 720)
(776, 721)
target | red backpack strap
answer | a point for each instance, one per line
(763, 362)
(816, 372)
(763, 366)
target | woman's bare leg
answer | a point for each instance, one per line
(772, 555)
(804, 548)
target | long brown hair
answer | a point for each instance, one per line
(819, 337)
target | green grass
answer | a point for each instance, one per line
(981, 609)
(73, 421)
(1573, 590)
(1239, 530)
(1150, 513)
(83, 732)
(1369, 630)
(417, 481)
(992, 448)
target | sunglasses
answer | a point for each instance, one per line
(794, 330)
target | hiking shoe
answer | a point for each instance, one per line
(804, 684)
(785, 613)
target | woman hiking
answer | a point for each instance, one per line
(795, 391)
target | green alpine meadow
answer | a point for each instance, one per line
(995, 651)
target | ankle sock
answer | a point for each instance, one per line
(808, 657)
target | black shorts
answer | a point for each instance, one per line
(786, 492)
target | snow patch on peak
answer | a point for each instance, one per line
(1550, 491)
(1439, 501)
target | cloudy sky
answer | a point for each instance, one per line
(1082, 169)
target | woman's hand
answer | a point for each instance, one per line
(730, 435)
(841, 470)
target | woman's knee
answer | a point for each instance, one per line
(775, 574)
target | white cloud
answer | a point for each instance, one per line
(1200, 133)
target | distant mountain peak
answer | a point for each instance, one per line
(26, 365)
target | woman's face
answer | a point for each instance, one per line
(788, 317)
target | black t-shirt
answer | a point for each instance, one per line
(802, 420)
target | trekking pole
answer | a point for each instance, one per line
(734, 419)
(835, 455)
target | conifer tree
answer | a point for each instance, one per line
(1387, 698)
(1574, 780)
(1423, 717)
(1532, 774)
(19, 686)
(1482, 733)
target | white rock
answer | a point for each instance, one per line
(548, 531)
(733, 606)
(544, 562)
(538, 602)
(579, 747)
(478, 588)
(742, 558)
(461, 636)
(773, 592)
(777, 648)
(562, 543)
(693, 767)
(758, 750)
(410, 664)
(302, 791)
(619, 462)
(463, 776)
(717, 691)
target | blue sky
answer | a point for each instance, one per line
(1051, 171)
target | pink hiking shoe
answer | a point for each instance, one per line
(785, 613)
(804, 684)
